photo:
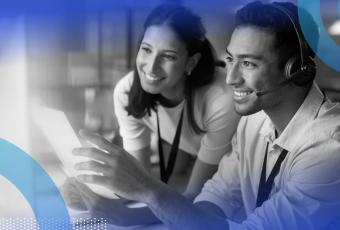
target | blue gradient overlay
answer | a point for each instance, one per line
(22, 171)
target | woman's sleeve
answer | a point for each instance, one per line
(134, 132)
(220, 120)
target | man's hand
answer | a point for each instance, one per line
(111, 210)
(120, 171)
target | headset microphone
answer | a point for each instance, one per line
(307, 71)
(279, 86)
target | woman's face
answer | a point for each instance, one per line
(162, 61)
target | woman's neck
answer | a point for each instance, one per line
(170, 102)
(174, 96)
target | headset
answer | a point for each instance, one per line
(307, 71)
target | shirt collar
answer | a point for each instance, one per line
(267, 130)
(297, 126)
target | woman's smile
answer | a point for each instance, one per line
(152, 78)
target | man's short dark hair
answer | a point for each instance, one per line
(273, 20)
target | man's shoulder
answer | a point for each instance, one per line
(326, 125)
(317, 152)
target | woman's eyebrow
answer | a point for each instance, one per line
(165, 50)
(145, 43)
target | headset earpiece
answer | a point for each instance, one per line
(302, 76)
(292, 66)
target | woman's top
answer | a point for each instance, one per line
(213, 111)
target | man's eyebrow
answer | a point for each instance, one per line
(226, 50)
(252, 56)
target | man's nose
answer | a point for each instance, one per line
(234, 75)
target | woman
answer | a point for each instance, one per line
(173, 87)
(175, 71)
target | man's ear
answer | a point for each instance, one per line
(192, 62)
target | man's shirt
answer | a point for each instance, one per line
(306, 191)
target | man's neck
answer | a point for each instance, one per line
(282, 114)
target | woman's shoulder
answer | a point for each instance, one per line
(122, 88)
(125, 83)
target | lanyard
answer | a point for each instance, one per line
(166, 172)
(266, 186)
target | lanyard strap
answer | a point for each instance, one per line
(266, 186)
(166, 172)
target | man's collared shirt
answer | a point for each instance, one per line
(305, 192)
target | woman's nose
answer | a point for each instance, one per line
(153, 63)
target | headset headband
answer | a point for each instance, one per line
(302, 42)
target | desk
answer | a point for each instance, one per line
(59, 178)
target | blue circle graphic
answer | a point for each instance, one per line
(34, 183)
(328, 51)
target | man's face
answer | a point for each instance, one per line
(252, 66)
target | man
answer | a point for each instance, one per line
(295, 125)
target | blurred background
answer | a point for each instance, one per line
(69, 55)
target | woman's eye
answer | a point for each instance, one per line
(146, 49)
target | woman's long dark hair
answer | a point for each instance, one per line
(191, 32)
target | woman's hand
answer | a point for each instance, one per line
(72, 196)
(120, 171)
(113, 211)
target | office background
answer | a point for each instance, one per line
(69, 56)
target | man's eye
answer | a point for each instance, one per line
(248, 64)
(169, 57)
(229, 59)
(146, 49)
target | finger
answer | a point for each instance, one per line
(68, 188)
(86, 191)
(69, 191)
(93, 166)
(80, 206)
(70, 200)
(99, 141)
(93, 153)
(86, 199)
(95, 179)
(91, 199)
(70, 195)
(70, 180)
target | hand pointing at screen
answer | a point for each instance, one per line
(120, 171)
